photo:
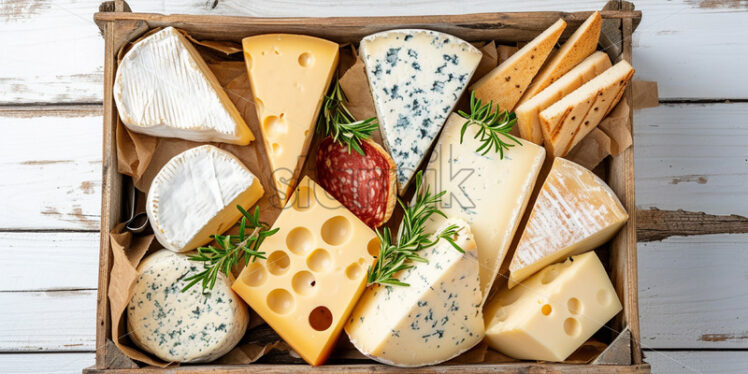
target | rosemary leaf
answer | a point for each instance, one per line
(337, 121)
(493, 126)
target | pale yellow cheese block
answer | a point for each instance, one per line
(527, 112)
(575, 212)
(505, 84)
(580, 45)
(314, 273)
(554, 312)
(568, 120)
(289, 75)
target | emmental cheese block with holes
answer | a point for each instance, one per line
(569, 120)
(163, 87)
(435, 318)
(195, 196)
(528, 121)
(289, 75)
(574, 212)
(314, 273)
(490, 193)
(550, 315)
(506, 83)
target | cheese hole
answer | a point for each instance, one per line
(306, 59)
(277, 149)
(278, 262)
(575, 307)
(254, 275)
(603, 297)
(299, 240)
(373, 247)
(353, 271)
(319, 261)
(572, 327)
(276, 51)
(550, 274)
(501, 315)
(304, 200)
(304, 283)
(336, 230)
(274, 127)
(259, 104)
(248, 61)
(280, 301)
(320, 318)
(546, 309)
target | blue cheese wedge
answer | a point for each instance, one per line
(178, 326)
(416, 78)
(436, 318)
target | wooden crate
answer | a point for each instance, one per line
(119, 26)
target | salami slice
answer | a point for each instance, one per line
(363, 184)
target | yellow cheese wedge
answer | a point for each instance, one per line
(580, 45)
(506, 83)
(527, 112)
(568, 120)
(314, 273)
(554, 312)
(289, 75)
(575, 212)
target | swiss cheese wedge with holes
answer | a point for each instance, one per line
(574, 212)
(289, 75)
(566, 122)
(314, 273)
(505, 84)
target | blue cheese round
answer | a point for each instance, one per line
(177, 326)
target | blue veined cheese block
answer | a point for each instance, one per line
(416, 78)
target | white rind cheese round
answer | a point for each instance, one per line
(177, 326)
(195, 195)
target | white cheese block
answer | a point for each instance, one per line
(437, 317)
(488, 192)
(416, 78)
(195, 196)
(163, 87)
(177, 326)
(554, 312)
(574, 212)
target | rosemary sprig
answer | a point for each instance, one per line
(493, 125)
(338, 122)
(411, 239)
(232, 249)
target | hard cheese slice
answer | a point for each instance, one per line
(314, 273)
(195, 196)
(568, 120)
(163, 87)
(488, 192)
(575, 212)
(528, 112)
(580, 45)
(416, 78)
(437, 317)
(289, 75)
(554, 312)
(506, 83)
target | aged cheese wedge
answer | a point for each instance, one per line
(506, 83)
(554, 312)
(580, 45)
(416, 78)
(289, 75)
(528, 121)
(490, 193)
(314, 273)
(567, 121)
(177, 326)
(163, 87)
(195, 196)
(437, 317)
(575, 212)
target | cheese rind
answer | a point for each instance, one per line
(490, 193)
(437, 317)
(163, 87)
(195, 195)
(289, 75)
(554, 312)
(177, 326)
(506, 83)
(314, 273)
(416, 78)
(574, 212)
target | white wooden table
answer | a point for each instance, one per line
(691, 154)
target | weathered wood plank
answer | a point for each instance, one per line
(654, 224)
(714, 362)
(48, 363)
